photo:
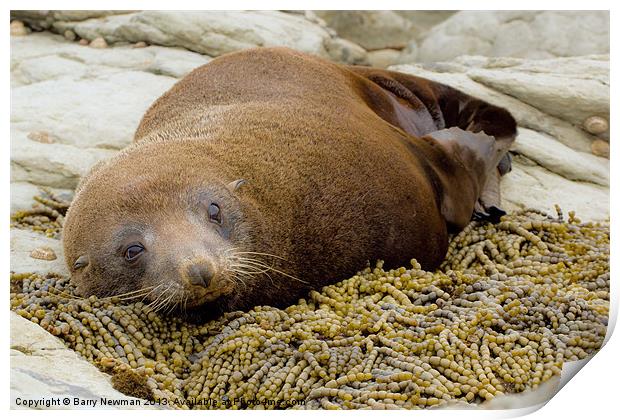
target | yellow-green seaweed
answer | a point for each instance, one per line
(511, 303)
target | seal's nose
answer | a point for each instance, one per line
(200, 274)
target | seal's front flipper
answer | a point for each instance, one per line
(488, 206)
(466, 166)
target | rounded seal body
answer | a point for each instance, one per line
(267, 173)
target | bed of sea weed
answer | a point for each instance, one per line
(511, 303)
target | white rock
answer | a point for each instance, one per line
(371, 29)
(42, 56)
(173, 62)
(47, 67)
(383, 58)
(560, 159)
(53, 165)
(98, 112)
(345, 51)
(424, 20)
(22, 194)
(45, 19)
(43, 368)
(209, 32)
(596, 125)
(530, 34)
(98, 42)
(18, 28)
(532, 186)
(570, 96)
(88, 101)
(600, 148)
(409, 54)
(69, 35)
(23, 241)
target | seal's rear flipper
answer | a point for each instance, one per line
(420, 107)
(474, 134)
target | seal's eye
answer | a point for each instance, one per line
(215, 215)
(133, 252)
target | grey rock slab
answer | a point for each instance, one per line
(573, 97)
(560, 159)
(532, 186)
(100, 112)
(23, 241)
(22, 194)
(371, 29)
(44, 56)
(528, 34)
(43, 368)
(52, 165)
(210, 32)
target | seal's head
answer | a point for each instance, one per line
(162, 224)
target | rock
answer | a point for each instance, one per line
(76, 15)
(46, 68)
(345, 51)
(22, 194)
(84, 42)
(37, 19)
(87, 103)
(531, 186)
(53, 165)
(80, 119)
(600, 148)
(371, 29)
(560, 159)
(45, 19)
(43, 56)
(527, 34)
(172, 62)
(570, 94)
(209, 32)
(409, 54)
(70, 35)
(383, 58)
(596, 125)
(43, 253)
(23, 242)
(41, 137)
(558, 112)
(424, 20)
(18, 28)
(98, 42)
(42, 367)
(140, 44)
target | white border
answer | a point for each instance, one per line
(591, 394)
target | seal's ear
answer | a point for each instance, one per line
(233, 186)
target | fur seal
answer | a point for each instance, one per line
(268, 172)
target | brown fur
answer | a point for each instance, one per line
(341, 163)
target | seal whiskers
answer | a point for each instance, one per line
(260, 266)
